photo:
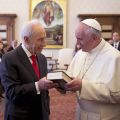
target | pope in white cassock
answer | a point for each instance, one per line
(96, 74)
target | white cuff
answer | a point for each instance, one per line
(37, 88)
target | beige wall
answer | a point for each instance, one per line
(76, 7)
(21, 8)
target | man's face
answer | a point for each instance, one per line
(116, 37)
(36, 42)
(83, 39)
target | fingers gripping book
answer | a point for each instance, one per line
(59, 77)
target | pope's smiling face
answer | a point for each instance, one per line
(84, 38)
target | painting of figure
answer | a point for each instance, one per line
(51, 15)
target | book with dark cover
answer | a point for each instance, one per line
(59, 77)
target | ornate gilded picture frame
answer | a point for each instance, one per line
(52, 15)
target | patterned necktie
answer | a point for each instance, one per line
(35, 65)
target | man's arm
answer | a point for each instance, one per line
(15, 90)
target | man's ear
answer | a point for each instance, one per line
(95, 37)
(26, 39)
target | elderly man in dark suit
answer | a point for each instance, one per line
(23, 74)
(116, 40)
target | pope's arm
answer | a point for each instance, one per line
(108, 90)
(104, 89)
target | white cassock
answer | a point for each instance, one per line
(99, 70)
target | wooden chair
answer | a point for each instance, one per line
(65, 57)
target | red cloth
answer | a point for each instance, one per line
(35, 66)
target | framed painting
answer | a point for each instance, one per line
(52, 16)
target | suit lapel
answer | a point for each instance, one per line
(119, 46)
(24, 59)
(40, 65)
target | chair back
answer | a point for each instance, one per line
(65, 56)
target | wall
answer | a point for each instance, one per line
(75, 7)
(19, 7)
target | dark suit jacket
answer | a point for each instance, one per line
(118, 46)
(18, 79)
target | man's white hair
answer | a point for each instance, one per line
(28, 29)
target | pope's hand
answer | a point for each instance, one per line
(74, 85)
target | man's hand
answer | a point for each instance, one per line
(74, 85)
(45, 84)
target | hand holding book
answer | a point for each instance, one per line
(59, 77)
(74, 85)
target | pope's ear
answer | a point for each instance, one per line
(26, 39)
(95, 37)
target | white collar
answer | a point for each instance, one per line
(26, 51)
(116, 43)
(98, 47)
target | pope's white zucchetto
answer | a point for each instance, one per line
(92, 23)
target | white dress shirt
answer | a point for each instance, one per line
(29, 55)
(116, 44)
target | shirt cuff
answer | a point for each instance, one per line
(37, 88)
